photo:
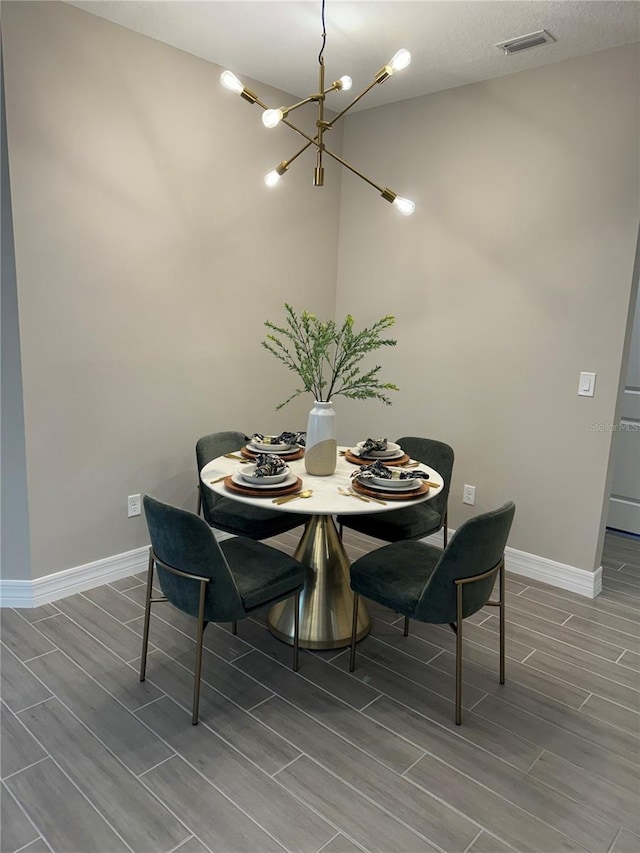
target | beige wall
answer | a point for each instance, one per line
(513, 275)
(148, 253)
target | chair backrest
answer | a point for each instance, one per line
(476, 547)
(185, 542)
(435, 454)
(209, 447)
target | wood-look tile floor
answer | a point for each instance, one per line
(93, 761)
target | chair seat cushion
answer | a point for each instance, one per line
(262, 574)
(252, 521)
(412, 522)
(396, 574)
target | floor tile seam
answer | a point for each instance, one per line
(226, 796)
(111, 585)
(327, 843)
(261, 702)
(511, 803)
(455, 732)
(618, 643)
(619, 793)
(629, 581)
(176, 849)
(620, 662)
(6, 791)
(91, 731)
(35, 621)
(298, 674)
(408, 654)
(88, 674)
(469, 846)
(618, 728)
(93, 637)
(107, 612)
(635, 637)
(319, 721)
(590, 603)
(182, 705)
(25, 847)
(32, 705)
(27, 766)
(562, 642)
(590, 671)
(203, 679)
(84, 796)
(460, 736)
(376, 804)
(627, 594)
(561, 731)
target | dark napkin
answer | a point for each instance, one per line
(379, 469)
(268, 464)
(374, 444)
(285, 437)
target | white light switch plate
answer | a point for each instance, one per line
(587, 385)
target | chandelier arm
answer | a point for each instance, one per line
(355, 171)
(353, 103)
(311, 139)
(297, 154)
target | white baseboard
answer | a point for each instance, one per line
(33, 593)
(544, 570)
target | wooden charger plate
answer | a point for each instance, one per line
(357, 460)
(390, 496)
(263, 493)
(286, 457)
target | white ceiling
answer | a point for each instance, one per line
(452, 42)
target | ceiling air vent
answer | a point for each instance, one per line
(525, 42)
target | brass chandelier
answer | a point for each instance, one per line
(272, 117)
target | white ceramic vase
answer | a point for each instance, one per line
(321, 451)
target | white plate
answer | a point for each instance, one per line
(278, 449)
(392, 451)
(370, 457)
(239, 480)
(390, 485)
(248, 474)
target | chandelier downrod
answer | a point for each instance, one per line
(272, 117)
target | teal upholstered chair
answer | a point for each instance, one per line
(229, 515)
(411, 522)
(214, 582)
(439, 586)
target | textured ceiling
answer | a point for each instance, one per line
(452, 41)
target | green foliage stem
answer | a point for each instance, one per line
(327, 357)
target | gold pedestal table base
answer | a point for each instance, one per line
(326, 602)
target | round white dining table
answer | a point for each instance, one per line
(326, 602)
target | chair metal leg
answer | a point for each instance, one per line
(147, 618)
(406, 626)
(296, 631)
(340, 530)
(502, 615)
(198, 663)
(445, 522)
(354, 626)
(234, 627)
(199, 507)
(458, 654)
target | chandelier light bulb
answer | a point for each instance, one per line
(231, 82)
(346, 83)
(401, 59)
(404, 205)
(272, 178)
(270, 118)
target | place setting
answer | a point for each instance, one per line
(287, 445)
(377, 481)
(372, 449)
(267, 477)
